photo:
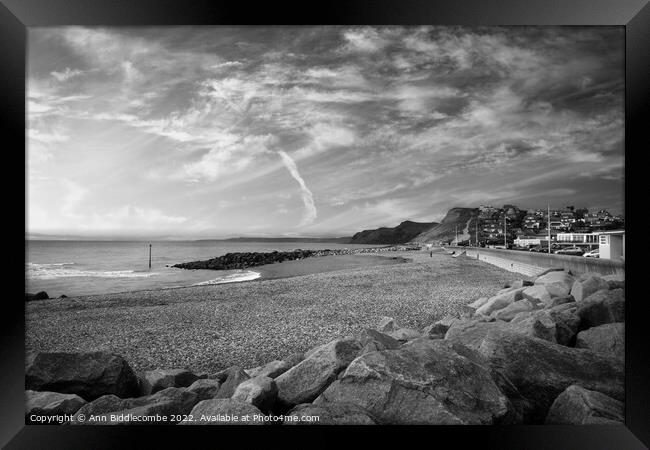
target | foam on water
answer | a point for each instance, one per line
(60, 270)
(246, 275)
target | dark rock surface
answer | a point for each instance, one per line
(272, 369)
(234, 377)
(580, 406)
(424, 382)
(305, 381)
(153, 381)
(205, 388)
(373, 340)
(168, 402)
(601, 307)
(330, 414)
(51, 403)
(89, 375)
(608, 339)
(541, 370)
(245, 259)
(42, 295)
(260, 392)
(223, 408)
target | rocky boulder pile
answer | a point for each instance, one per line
(548, 350)
(244, 260)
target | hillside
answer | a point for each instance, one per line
(461, 219)
(400, 234)
(334, 240)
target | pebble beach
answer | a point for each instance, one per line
(209, 328)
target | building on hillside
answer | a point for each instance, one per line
(532, 221)
(568, 218)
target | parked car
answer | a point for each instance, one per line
(592, 254)
(573, 251)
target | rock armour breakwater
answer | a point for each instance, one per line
(252, 259)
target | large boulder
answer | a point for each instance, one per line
(584, 287)
(89, 375)
(305, 381)
(424, 382)
(224, 411)
(541, 370)
(471, 333)
(260, 391)
(580, 406)
(328, 414)
(45, 403)
(557, 284)
(156, 380)
(604, 306)
(205, 388)
(235, 375)
(272, 369)
(537, 294)
(373, 341)
(509, 312)
(608, 339)
(554, 324)
(616, 281)
(500, 301)
(566, 325)
(537, 324)
(294, 359)
(110, 409)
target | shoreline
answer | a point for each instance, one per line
(248, 324)
(273, 271)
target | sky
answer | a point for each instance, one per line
(215, 131)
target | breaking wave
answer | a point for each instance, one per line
(247, 275)
(62, 270)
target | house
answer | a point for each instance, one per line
(532, 221)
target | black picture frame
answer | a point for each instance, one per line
(634, 15)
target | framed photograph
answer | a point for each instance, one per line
(369, 217)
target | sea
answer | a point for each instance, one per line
(75, 268)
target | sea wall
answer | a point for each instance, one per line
(531, 263)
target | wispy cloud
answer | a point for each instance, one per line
(412, 118)
(307, 197)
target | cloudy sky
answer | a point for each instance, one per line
(234, 131)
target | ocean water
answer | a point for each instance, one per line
(97, 267)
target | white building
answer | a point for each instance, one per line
(612, 245)
(589, 240)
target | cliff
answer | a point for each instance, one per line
(461, 219)
(400, 234)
